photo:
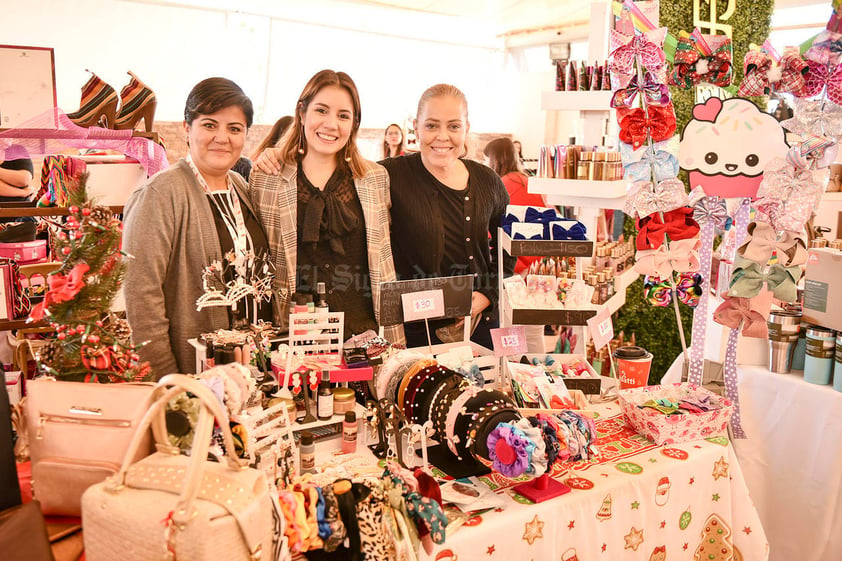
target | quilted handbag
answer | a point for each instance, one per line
(78, 435)
(172, 506)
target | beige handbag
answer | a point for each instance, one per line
(78, 435)
(172, 506)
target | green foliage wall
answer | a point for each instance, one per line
(655, 328)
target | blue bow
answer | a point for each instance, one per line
(663, 164)
(535, 216)
(576, 232)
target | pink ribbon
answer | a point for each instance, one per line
(787, 196)
(624, 49)
(741, 314)
(681, 256)
(820, 76)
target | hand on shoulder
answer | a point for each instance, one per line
(269, 161)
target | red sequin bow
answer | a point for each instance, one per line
(820, 76)
(693, 66)
(678, 224)
(635, 126)
(763, 75)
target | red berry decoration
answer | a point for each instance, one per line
(65, 250)
(61, 336)
(99, 323)
(73, 208)
(86, 212)
(94, 339)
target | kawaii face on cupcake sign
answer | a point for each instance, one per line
(727, 144)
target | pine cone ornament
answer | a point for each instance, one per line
(99, 216)
(121, 330)
(48, 353)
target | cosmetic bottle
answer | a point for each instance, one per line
(349, 433)
(307, 453)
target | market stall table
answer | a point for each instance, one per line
(791, 460)
(638, 502)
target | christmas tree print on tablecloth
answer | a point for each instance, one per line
(715, 544)
(92, 344)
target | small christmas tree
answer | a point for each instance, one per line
(92, 344)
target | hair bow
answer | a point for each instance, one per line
(707, 208)
(762, 74)
(692, 66)
(678, 224)
(574, 231)
(748, 278)
(813, 115)
(652, 161)
(654, 92)
(688, 289)
(737, 312)
(648, 47)
(764, 241)
(814, 152)
(787, 196)
(826, 49)
(635, 126)
(820, 76)
(643, 199)
(682, 256)
(540, 217)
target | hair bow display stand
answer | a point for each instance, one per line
(542, 488)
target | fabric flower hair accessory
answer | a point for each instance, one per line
(508, 450)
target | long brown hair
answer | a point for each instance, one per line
(502, 156)
(387, 152)
(275, 134)
(289, 142)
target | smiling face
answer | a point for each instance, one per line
(328, 121)
(442, 126)
(216, 140)
(394, 136)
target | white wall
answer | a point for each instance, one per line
(271, 57)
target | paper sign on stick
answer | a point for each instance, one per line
(509, 341)
(601, 328)
(426, 304)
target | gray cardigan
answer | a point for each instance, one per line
(169, 230)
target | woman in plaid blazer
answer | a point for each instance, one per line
(325, 208)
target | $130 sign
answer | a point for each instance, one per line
(426, 304)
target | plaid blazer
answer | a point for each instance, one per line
(275, 201)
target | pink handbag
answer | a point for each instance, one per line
(78, 435)
(180, 507)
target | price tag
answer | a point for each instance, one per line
(509, 341)
(601, 328)
(426, 304)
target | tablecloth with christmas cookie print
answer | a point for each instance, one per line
(637, 502)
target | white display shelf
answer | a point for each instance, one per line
(548, 248)
(621, 283)
(580, 192)
(576, 101)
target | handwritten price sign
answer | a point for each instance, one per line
(426, 304)
(509, 341)
(602, 330)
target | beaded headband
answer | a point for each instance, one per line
(407, 377)
(434, 407)
(463, 410)
(387, 370)
(423, 385)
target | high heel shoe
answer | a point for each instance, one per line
(98, 106)
(137, 102)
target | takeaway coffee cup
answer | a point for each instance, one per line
(633, 365)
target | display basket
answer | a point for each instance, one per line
(672, 429)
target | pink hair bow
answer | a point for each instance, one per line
(814, 152)
(737, 312)
(826, 49)
(654, 92)
(787, 196)
(682, 256)
(644, 200)
(764, 241)
(707, 208)
(813, 115)
(763, 74)
(648, 47)
(820, 76)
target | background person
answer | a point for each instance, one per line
(393, 142)
(446, 210)
(325, 208)
(182, 220)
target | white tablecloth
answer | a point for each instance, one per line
(791, 460)
(640, 502)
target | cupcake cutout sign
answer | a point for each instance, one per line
(726, 146)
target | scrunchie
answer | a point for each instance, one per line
(508, 451)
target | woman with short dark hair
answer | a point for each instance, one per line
(184, 219)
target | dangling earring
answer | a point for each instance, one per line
(347, 152)
(301, 141)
